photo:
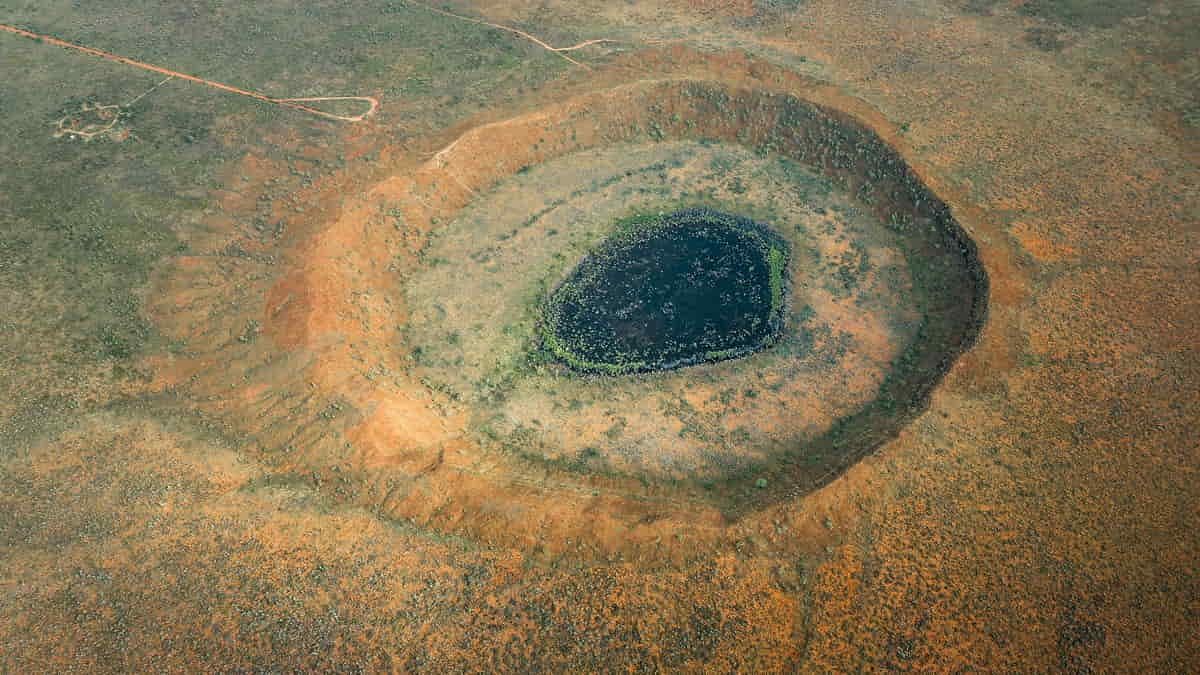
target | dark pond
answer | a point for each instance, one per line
(670, 291)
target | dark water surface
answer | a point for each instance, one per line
(674, 290)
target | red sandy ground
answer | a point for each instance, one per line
(1040, 516)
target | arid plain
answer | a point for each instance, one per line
(221, 449)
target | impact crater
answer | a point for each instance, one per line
(401, 354)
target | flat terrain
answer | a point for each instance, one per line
(220, 447)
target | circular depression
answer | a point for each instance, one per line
(867, 301)
(461, 424)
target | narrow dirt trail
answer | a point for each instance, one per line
(294, 103)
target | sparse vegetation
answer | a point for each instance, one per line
(1085, 13)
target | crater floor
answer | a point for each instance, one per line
(477, 315)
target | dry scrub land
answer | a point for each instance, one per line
(248, 420)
